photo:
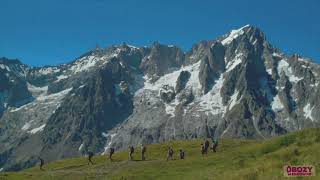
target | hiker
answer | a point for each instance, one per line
(143, 151)
(111, 152)
(131, 151)
(170, 153)
(181, 154)
(202, 149)
(206, 146)
(41, 163)
(90, 155)
(214, 145)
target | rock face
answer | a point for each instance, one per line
(182, 80)
(13, 87)
(237, 86)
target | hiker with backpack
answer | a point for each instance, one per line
(181, 153)
(111, 152)
(170, 153)
(202, 149)
(214, 145)
(206, 146)
(90, 155)
(41, 163)
(143, 151)
(131, 151)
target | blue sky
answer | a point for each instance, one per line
(41, 32)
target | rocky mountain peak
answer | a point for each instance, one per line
(4, 60)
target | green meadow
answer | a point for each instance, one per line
(235, 159)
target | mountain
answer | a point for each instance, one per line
(237, 86)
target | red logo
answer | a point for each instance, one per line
(303, 170)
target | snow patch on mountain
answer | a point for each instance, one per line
(49, 70)
(269, 71)
(83, 64)
(211, 102)
(43, 100)
(39, 110)
(304, 60)
(276, 104)
(38, 129)
(36, 91)
(86, 63)
(234, 63)
(59, 78)
(104, 134)
(194, 82)
(81, 86)
(283, 66)
(275, 54)
(168, 79)
(26, 126)
(80, 147)
(132, 47)
(171, 78)
(2, 66)
(54, 96)
(308, 111)
(255, 41)
(115, 53)
(234, 100)
(233, 35)
(19, 108)
(171, 107)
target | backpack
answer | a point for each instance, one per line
(90, 154)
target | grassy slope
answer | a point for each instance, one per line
(235, 159)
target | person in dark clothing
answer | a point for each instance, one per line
(214, 145)
(181, 154)
(143, 152)
(111, 152)
(90, 155)
(131, 151)
(206, 146)
(202, 149)
(170, 153)
(41, 163)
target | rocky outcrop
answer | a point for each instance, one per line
(182, 80)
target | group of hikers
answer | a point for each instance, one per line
(206, 145)
(170, 154)
(111, 152)
(143, 152)
(204, 150)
